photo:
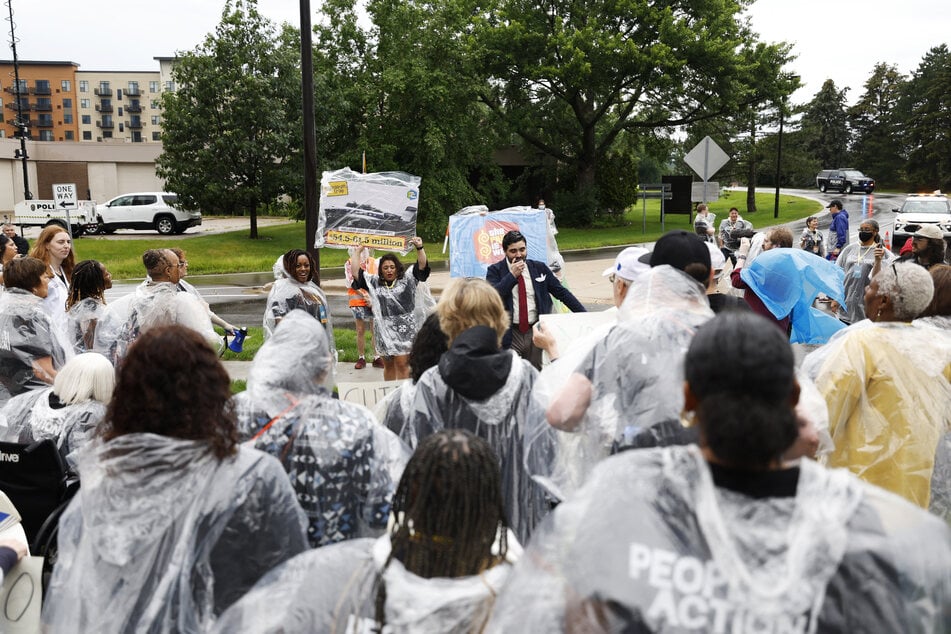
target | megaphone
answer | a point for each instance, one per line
(237, 344)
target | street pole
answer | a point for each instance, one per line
(310, 137)
(779, 156)
(21, 126)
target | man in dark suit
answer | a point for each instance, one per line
(526, 287)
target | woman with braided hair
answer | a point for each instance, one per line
(86, 303)
(439, 569)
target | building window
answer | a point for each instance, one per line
(84, 103)
(156, 136)
(44, 104)
(136, 137)
(155, 104)
(121, 128)
(107, 134)
(118, 94)
(120, 111)
(155, 119)
(46, 135)
(70, 136)
(67, 104)
(107, 121)
(67, 117)
(104, 88)
(83, 86)
(87, 119)
(42, 86)
(87, 135)
(153, 86)
(66, 85)
(133, 88)
(170, 86)
(20, 86)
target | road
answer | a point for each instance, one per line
(240, 298)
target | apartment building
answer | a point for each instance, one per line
(120, 106)
(47, 100)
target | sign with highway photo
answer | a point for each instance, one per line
(374, 210)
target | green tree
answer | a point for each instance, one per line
(925, 109)
(876, 147)
(825, 126)
(231, 128)
(571, 77)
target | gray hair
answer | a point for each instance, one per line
(85, 377)
(908, 286)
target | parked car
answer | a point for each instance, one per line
(918, 210)
(845, 180)
(144, 210)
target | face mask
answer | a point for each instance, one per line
(541, 205)
(865, 236)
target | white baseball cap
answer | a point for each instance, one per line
(627, 264)
(717, 260)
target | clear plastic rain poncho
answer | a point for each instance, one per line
(651, 544)
(163, 536)
(288, 294)
(343, 465)
(857, 261)
(509, 419)
(39, 414)
(788, 282)
(398, 310)
(148, 306)
(26, 335)
(888, 389)
(81, 323)
(636, 375)
(333, 590)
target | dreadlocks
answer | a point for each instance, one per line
(88, 281)
(448, 511)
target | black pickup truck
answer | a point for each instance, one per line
(845, 180)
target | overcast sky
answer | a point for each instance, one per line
(841, 40)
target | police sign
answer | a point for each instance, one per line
(65, 196)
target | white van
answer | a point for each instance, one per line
(145, 210)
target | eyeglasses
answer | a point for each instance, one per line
(897, 282)
(611, 278)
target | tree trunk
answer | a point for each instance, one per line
(253, 212)
(751, 173)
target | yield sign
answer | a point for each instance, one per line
(706, 158)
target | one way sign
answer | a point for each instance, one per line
(64, 195)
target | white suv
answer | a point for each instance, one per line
(144, 210)
(918, 210)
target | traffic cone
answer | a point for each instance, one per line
(888, 241)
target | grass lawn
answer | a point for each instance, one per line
(233, 252)
(346, 340)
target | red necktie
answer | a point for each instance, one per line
(522, 306)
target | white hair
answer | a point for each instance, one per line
(908, 286)
(85, 377)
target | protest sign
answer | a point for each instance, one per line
(475, 237)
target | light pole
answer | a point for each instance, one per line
(21, 126)
(310, 137)
(779, 147)
(779, 157)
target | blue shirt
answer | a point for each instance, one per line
(839, 230)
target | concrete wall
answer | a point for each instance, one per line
(111, 169)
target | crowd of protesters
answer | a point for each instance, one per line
(675, 469)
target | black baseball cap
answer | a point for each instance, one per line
(835, 203)
(681, 249)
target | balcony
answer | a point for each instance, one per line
(44, 123)
(108, 125)
(102, 92)
(24, 105)
(134, 125)
(103, 108)
(12, 90)
(40, 91)
(133, 108)
(132, 92)
(43, 107)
